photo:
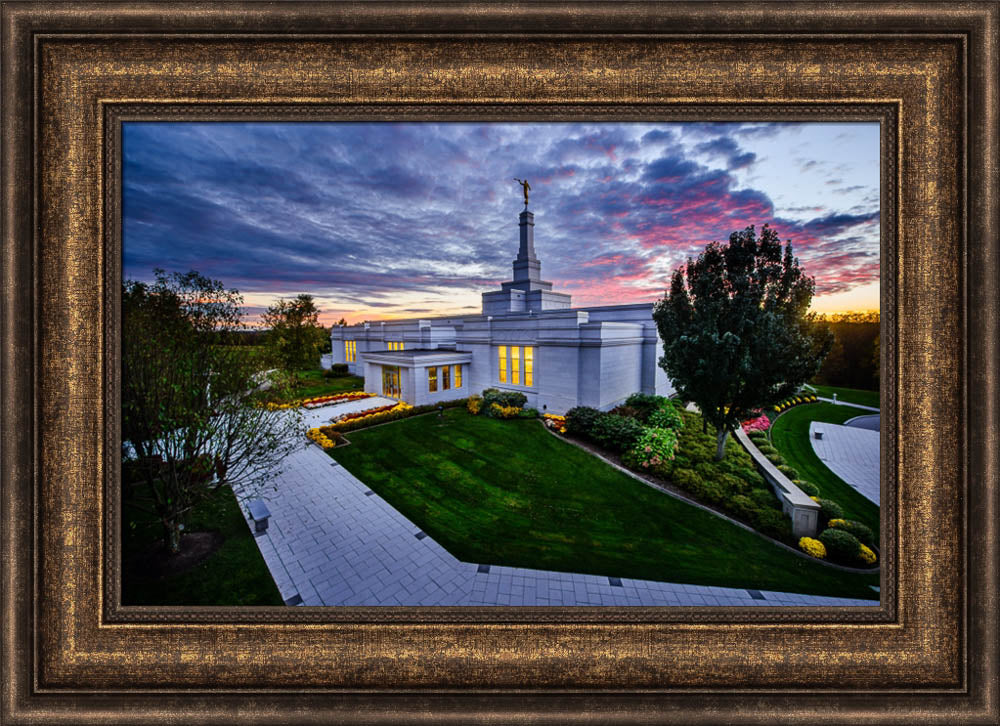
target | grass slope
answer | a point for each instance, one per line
(235, 574)
(509, 493)
(790, 436)
(851, 395)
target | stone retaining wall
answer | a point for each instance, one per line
(802, 510)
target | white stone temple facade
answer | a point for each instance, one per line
(528, 338)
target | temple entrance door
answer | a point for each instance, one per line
(390, 382)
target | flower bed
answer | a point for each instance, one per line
(385, 414)
(358, 415)
(794, 401)
(556, 423)
(319, 401)
(322, 440)
(761, 423)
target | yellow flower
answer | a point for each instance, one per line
(867, 555)
(812, 547)
(837, 522)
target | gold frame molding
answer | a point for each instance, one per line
(72, 72)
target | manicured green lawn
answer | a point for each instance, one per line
(851, 395)
(790, 436)
(235, 574)
(312, 383)
(509, 493)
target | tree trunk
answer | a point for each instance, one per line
(173, 536)
(720, 449)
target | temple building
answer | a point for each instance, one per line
(528, 338)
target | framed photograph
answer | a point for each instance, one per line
(453, 459)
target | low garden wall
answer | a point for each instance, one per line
(800, 508)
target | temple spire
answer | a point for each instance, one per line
(527, 267)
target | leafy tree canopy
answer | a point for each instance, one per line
(190, 415)
(295, 336)
(737, 335)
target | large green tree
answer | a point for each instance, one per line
(295, 336)
(737, 334)
(191, 419)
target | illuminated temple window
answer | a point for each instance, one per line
(502, 351)
(445, 378)
(432, 379)
(515, 365)
(350, 350)
(529, 365)
(458, 376)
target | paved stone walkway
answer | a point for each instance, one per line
(852, 453)
(333, 541)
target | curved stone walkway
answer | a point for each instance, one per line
(332, 541)
(852, 453)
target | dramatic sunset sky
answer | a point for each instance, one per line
(380, 220)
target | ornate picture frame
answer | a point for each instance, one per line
(73, 72)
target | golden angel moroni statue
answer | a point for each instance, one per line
(526, 187)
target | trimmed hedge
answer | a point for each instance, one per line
(581, 419)
(807, 487)
(617, 433)
(840, 545)
(829, 509)
(764, 498)
(862, 531)
(503, 399)
(337, 370)
(788, 471)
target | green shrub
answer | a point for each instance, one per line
(504, 399)
(829, 509)
(653, 448)
(742, 506)
(759, 436)
(732, 484)
(666, 417)
(840, 545)
(751, 477)
(616, 433)
(581, 420)
(810, 489)
(474, 404)
(767, 449)
(859, 530)
(776, 459)
(788, 471)
(709, 491)
(528, 413)
(686, 479)
(765, 498)
(337, 370)
(645, 404)
(627, 411)
(773, 523)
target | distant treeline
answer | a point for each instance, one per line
(854, 360)
(259, 338)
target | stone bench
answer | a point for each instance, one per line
(799, 507)
(260, 515)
